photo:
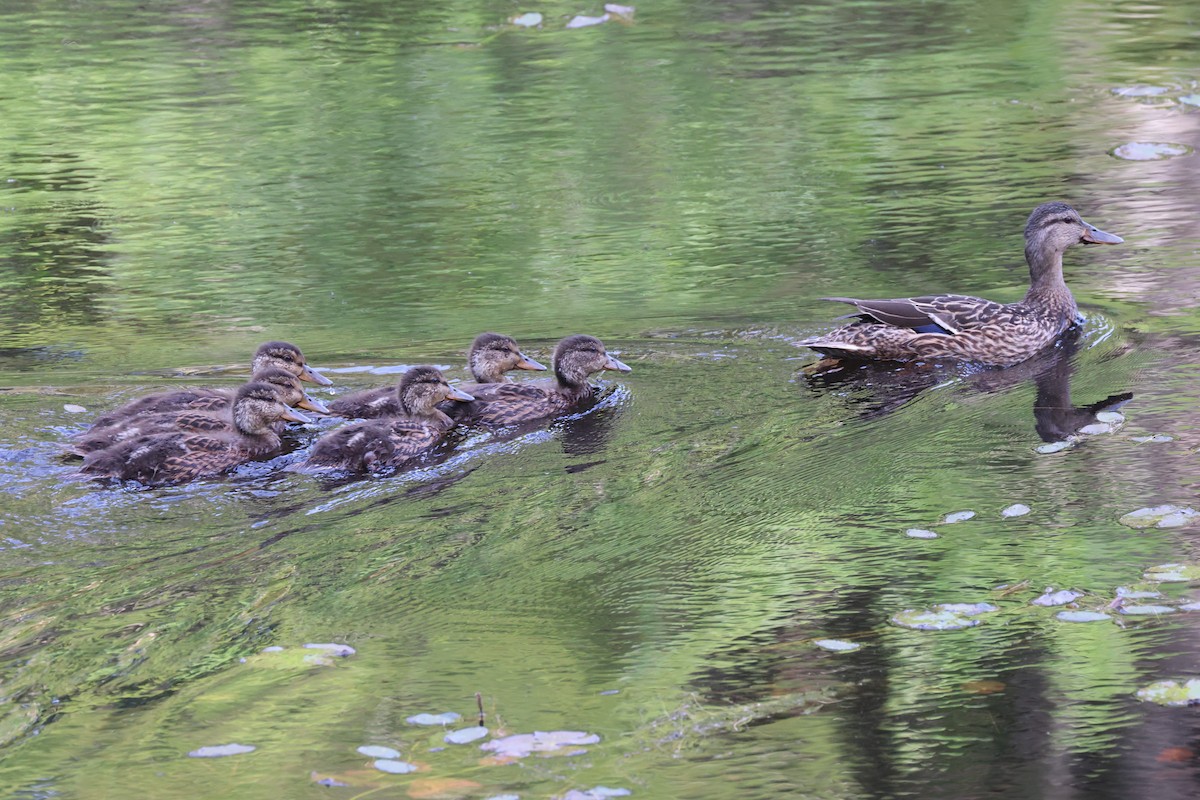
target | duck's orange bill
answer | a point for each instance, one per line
(312, 376)
(528, 363)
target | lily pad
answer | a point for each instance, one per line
(1149, 151)
(529, 20)
(1081, 616)
(393, 766)
(1172, 693)
(378, 751)
(1016, 510)
(520, 745)
(1147, 611)
(837, 645)
(222, 750)
(1053, 447)
(1153, 438)
(1136, 594)
(926, 620)
(1166, 516)
(920, 533)
(1059, 598)
(957, 516)
(465, 735)
(1173, 573)
(434, 719)
(967, 609)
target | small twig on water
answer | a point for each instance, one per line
(479, 702)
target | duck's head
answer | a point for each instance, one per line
(493, 354)
(422, 388)
(1053, 227)
(290, 390)
(287, 357)
(258, 405)
(577, 357)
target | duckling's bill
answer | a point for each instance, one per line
(313, 404)
(460, 395)
(528, 363)
(1093, 235)
(619, 366)
(312, 376)
(293, 415)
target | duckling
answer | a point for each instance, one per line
(270, 355)
(575, 359)
(971, 328)
(205, 414)
(373, 444)
(491, 355)
(159, 459)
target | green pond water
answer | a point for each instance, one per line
(379, 182)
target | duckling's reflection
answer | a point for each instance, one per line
(879, 389)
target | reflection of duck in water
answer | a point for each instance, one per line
(971, 328)
(880, 389)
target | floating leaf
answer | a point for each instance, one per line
(221, 750)
(529, 20)
(581, 21)
(339, 650)
(393, 766)
(1147, 610)
(1153, 438)
(1166, 516)
(958, 516)
(1081, 616)
(1149, 151)
(1136, 594)
(967, 609)
(1175, 755)
(1097, 429)
(1172, 693)
(434, 719)
(925, 620)
(1016, 510)
(73, 408)
(1173, 573)
(837, 645)
(465, 735)
(522, 744)
(378, 751)
(1111, 417)
(983, 687)
(1059, 598)
(920, 533)
(1053, 447)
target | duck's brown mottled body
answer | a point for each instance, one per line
(972, 328)
(269, 356)
(179, 456)
(373, 444)
(575, 359)
(209, 414)
(491, 355)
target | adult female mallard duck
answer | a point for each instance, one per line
(205, 414)
(491, 355)
(575, 359)
(271, 355)
(971, 328)
(179, 456)
(373, 444)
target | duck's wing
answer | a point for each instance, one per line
(512, 403)
(940, 313)
(368, 404)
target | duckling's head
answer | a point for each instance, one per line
(1053, 227)
(287, 357)
(257, 406)
(422, 388)
(577, 357)
(290, 390)
(493, 354)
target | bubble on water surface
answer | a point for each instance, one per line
(1153, 438)
(520, 745)
(1165, 516)
(529, 20)
(1141, 90)
(1149, 151)
(957, 516)
(1173, 573)
(1136, 594)
(1053, 447)
(620, 11)
(1172, 693)
(595, 793)
(582, 21)
(393, 766)
(465, 735)
(74, 408)
(1059, 598)
(920, 533)
(837, 645)
(926, 620)
(1016, 510)
(222, 750)
(1190, 99)
(1111, 417)
(1147, 611)
(1081, 616)
(340, 650)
